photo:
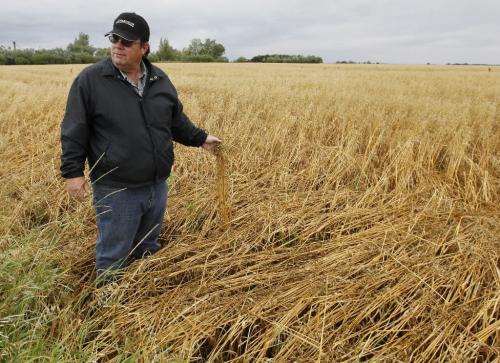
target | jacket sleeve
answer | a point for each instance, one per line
(75, 131)
(184, 131)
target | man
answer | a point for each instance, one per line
(123, 115)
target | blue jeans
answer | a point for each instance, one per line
(129, 222)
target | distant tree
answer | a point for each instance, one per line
(194, 48)
(286, 58)
(81, 45)
(4, 55)
(258, 58)
(101, 53)
(21, 59)
(241, 60)
(153, 58)
(50, 56)
(209, 47)
(166, 51)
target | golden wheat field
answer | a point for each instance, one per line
(352, 216)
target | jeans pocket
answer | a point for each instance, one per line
(103, 193)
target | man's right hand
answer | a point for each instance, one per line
(77, 187)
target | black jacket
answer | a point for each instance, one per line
(126, 138)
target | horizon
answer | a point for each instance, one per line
(339, 61)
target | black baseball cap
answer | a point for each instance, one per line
(130, 26)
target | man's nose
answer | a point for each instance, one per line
(119, 44)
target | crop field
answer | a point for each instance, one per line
(353, 215)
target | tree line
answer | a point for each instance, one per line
(197, 51)
(281, 58)
(81, 51)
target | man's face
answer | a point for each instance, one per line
(128, 58)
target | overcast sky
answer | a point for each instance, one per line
(389, 31)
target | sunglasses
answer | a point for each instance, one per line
(113, 38)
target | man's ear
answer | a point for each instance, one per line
(145, 48)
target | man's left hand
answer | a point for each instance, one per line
(211, 144)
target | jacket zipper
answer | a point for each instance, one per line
(148, 129)
(149, 81)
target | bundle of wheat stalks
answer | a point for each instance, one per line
(351, 215)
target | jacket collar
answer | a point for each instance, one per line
(109, 69)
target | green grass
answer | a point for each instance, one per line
(31, 297)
